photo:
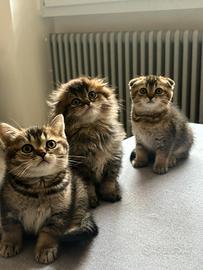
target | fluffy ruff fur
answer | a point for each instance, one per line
(90, 110)
(161, 130)
(40, 195)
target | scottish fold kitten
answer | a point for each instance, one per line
(159, 127)
(39, 194)
(2, 162)
(90, 110)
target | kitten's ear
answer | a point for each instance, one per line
(8, 133)
(132, 83)
(171, 83)
(57, 100)
(58, 125)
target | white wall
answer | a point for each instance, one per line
(24, 65)
(147, 20)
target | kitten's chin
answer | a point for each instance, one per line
(45, 168)
(89, 116)
(149, 107)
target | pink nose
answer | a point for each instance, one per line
(87, 106)
(42, 154)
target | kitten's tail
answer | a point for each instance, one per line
(85, 231)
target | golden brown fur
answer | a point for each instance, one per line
(93, 132)
(159, 127)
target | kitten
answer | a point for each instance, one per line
(2, 162)
(39, 194)
(159, 127)
(90, 110)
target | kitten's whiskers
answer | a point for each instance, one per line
(13, 170)
(23, 172)
(74, 162)
(76, 156)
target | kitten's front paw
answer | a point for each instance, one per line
(93, 201)
(139, 163)
(172, 162)
(9, 249)
(110, 192)
(46, 255)
(111, 197)
(160, 169)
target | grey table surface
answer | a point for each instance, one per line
(157, 225)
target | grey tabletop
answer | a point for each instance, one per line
(157, 225)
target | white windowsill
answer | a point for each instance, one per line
(55, 8)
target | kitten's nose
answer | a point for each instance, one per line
(42, 154)
(87, 102)
(150, 97)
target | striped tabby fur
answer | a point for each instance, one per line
(90, 110)
(161, 130)
(39, 194)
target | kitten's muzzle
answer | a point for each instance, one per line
(43, 160)
(41, 154)
(150, 99)
(88, 106)
(86, 102)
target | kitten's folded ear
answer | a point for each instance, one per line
(8, 133)
(171, 83)
(132, 83)
(58, 125)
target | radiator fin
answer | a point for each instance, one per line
(120, 56)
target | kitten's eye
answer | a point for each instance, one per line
(92, 95)
(142, 91)
(76, 102)
(159, 91)
(51, 144)
(27, 148)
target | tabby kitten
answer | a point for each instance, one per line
(90, 110)
(159, 127)
(2, 162)
(39, 194)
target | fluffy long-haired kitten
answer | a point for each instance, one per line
(2, 162)
(159, 127)
(90, 110)
(39, 194)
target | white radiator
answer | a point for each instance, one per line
(120, 56)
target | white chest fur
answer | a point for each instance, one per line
(33, 217)
(99, 164)
(100, 160)
(145, 136)
(35, 211)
